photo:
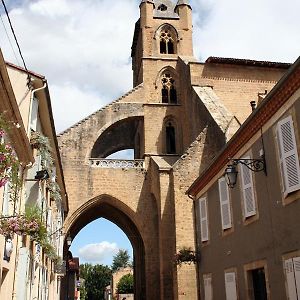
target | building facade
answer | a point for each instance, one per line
(33, 199)
(178, 116)
(248, 234)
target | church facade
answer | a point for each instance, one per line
(178, 116)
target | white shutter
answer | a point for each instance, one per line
(22, 273)
(34, 114)
(290, 279)
(5, 204)
(203, 219)
(224, 204)
(296, 261)
(248, 194)
(289, 160)
(230, 286)
(208, 294)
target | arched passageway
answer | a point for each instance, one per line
(105, 207)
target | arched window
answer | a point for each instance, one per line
(167, 41)
(170, 138)
(168, 91)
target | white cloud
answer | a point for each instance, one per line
(83, 46)
(97, 253)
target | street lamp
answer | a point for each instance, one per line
(69, 240)
(255, 165)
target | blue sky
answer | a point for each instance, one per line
(83, 49)
(106, 239)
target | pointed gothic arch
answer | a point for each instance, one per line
(167, 37)
(116, 211)
(168, 84)
(171, 136)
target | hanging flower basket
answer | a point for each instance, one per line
(185, 255)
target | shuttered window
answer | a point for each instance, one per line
(203, 219)
(224, 204)
(248, 191)
(230, 286)
(208, 292)
(289, 161)
(292, 271)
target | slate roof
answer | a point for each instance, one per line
(169, 13)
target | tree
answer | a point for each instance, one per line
(125, 284)
(120, 260)
(96, 278)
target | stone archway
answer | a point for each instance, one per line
(115, 211)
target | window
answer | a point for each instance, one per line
(208, 292)
(168, 92)
(203, 219)
(288, 155)
(170, 139)
(249, 204)
(230, 286)
(292, 272)
(166, 40)
(162, 7)
(258, 284)
(225, 204)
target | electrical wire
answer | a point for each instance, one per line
(9, 40)
(15, 37)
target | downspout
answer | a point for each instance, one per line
(31, 100)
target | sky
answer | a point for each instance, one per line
(83, 48)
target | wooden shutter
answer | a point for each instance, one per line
(288, 153)
(224, 204)
(208, 293)
(203, 219)
(22, 273)
(296, 262)
(230, 286)
(248, 194)
(290, 279)
(34, 114)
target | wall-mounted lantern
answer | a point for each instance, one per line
(255, 165)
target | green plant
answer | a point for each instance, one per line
(125, 284)
(41, 143)
(185, 255)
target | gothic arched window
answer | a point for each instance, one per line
(167, 41)
(170, 138)
(168, 91)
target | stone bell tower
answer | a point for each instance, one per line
(163, 32)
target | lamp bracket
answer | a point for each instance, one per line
(255, 165)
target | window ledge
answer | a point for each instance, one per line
(161, 104)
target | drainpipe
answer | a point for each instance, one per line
(31, 100)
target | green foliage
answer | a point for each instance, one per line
(120, 260)
(96, 278)
(125, 284)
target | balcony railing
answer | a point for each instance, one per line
(117, 163)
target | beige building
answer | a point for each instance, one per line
(248, 230)
(33, 201)
(178, 116)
